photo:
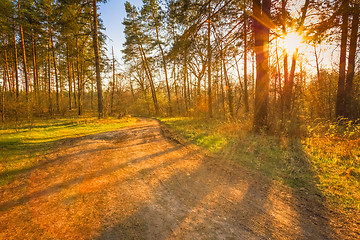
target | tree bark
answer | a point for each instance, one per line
(97, 60)
(56, 74)
(7, 70)
(79, 103)
(209, 60)
(35, 74)
(49, 78)
(228, 87)
(69, 75)
(149, 76)
(261, 33)
(24, 56)
(3, 99)
(113, 83)
(185, 71)
(24, 62)
(16, 67)
(289, 87)
(340, 100)
(351, 62)
(165, 71)
(246, 96)
(74, 82)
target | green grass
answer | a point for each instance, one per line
(199, 132)
(23, 145)
(316, 164)
(335, 154)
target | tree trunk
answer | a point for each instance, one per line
(49, 79)
(317, 64)
(3, 89)
(56, 74)
(222, 88)
(351, 62)
(288, 87)
(340, 100)
(185, 71)
(13, 85)
(24, 56)
(209, 61)
(278, 74)
(229, 90)
(149, 76)
(97, 60)
(165, 72)
(74, 82)
(35, 74)
(261, 33)
(69, 75)
(79, 103)
(246, 95)
(7, 75)
(16, 67)
(113, 83)
(24, 62)
(286, 68)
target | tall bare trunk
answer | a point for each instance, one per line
(229, 89)
(150, 78)
(289, 87)
(261, 33)
(3, 89)
(24, 56)
(113, 83)
(35, 74)
(24, 62)
(16, 67)
(209, 60)
(340, 103)
(97, 60)
(351, 62)
(7, 75)
(79, 103)
(165, 71)
(74, 82)
(49, 78)
(246, 95)
(56, 74)
(69, 75)
(185, 71)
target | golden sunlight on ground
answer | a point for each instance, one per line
(136, 183)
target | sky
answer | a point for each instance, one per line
(112, 13)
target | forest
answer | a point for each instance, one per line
(184, 58)
(272, 86)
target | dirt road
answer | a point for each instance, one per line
(137, 184)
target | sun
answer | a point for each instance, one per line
(292, 41)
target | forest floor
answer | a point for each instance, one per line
(140, 183)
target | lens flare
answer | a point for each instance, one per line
(292, 41)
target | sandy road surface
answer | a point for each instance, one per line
(137, 184)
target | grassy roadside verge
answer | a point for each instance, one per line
(318, 164)
(23, 145)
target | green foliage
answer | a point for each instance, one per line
(24, 146)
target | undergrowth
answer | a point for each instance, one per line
(335, 153)
(22, 145)
(325, 162)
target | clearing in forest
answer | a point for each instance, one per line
(135, 183)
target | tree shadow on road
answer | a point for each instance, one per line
(217, 199)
